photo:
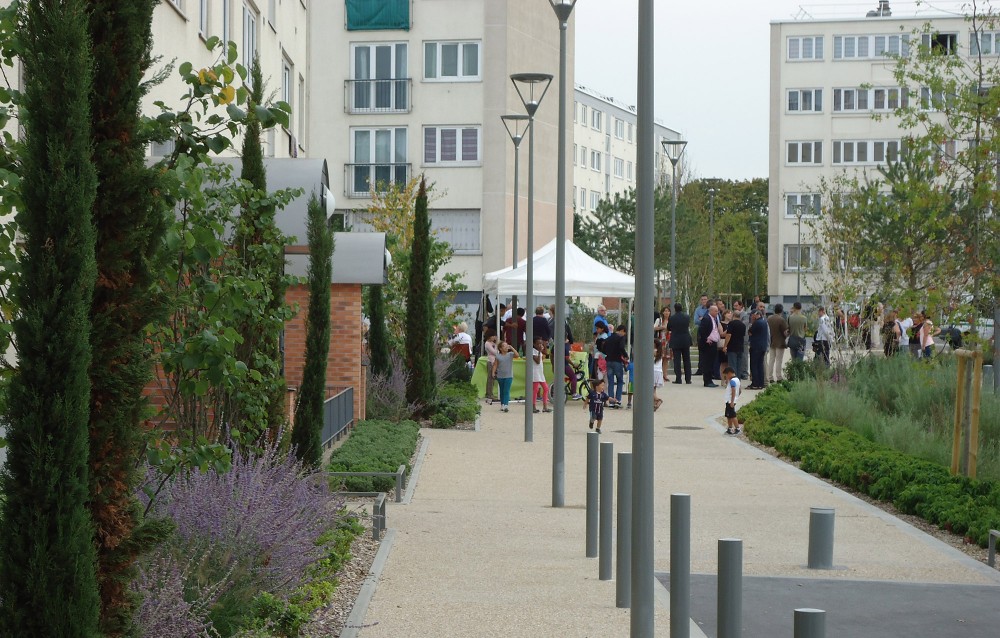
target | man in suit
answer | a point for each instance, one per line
(759, 344)
(708, 345)
(679, 327)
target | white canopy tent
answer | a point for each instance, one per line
(585, 276)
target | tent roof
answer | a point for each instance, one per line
(585, 276)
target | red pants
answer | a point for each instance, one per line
(544, 387)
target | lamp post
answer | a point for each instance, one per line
(673, 149)
(711, 242)
(531, 88)
(799, 211)
(755, 228)
(517, 127)
(563, 9)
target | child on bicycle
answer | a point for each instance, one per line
(595, 402)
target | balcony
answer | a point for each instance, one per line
(361, 178)
(378, 96)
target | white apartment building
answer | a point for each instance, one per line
(604, 148)
(828, 78)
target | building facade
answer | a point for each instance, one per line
(604, 149)
(829, 78)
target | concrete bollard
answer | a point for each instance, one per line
(821, 537)
(730, 588)
(604, 568)
(593, 443)
(680, 565)
(623, 553)
(810, 623)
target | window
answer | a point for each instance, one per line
(628, 171)
(583, 114)
(575, 104)
(805, 100)
(203, 18)
(934, 100)
(889, 99)
(379, 158)
(987, 43)
(864, 151)
(302, 111)
(619, 167)
(272, 12)
(800, 257)
(451, 145)
(583, 199)
(939, 43)
(804, 153)
(459, 228)
(619, 128)
(805, 48)
(595, 161)
(451, 61)
(226, 17)
(850, 100)
(288, 87)
(811, 202)
(595, 200)
(851, 46)
(891, 45)
(595, 119)
(630, 132)
(583, 156)
(574, 154)
(379, 82)
(249, 35)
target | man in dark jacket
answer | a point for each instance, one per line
(679, 327)
(759, 343)
(708, 345)
(615, 349)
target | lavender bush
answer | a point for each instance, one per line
(253, 529)
(164, 612)
(386, 395)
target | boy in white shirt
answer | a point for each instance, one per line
(732, 396)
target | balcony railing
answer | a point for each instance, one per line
(378, 96)
(361, 179)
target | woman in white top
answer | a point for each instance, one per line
(491, 357)
(927, 333)
(461, 342)
(823, 336)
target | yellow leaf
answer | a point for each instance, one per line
(227, 95)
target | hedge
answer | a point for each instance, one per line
(963, 506)
(374, 446)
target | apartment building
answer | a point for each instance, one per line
(829, 76)
(604, 148)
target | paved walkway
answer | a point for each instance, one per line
(480, 552)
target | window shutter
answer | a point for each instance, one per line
(470, 145)
(430, 145)
(449, 145)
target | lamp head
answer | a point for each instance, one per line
(531, 88)
(517, 126)
(563, 8)
(673, 149)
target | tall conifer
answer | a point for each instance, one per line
(48, 583)
(378, 340)
(420, 309)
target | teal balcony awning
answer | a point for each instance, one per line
(378, 15)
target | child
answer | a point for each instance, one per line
(732, 394)
(538, 376)
(503, 370)
(657, 372)
(628, 388)
(595, 402)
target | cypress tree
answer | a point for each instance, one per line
(256, 233)
(309, 408)
(48, 582)
(378, 340)
(420, 308)
(129, 221)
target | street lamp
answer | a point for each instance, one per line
(673, 149)
(800, 210)
(563, 9)
(531, 88)
(711, 241)
(517, 127)
(755, 228)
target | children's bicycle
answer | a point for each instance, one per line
(582, 383)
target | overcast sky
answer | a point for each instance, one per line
(712, 66)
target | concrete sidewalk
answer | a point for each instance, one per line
(480, 552)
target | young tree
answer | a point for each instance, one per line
(48, 582)
(378, 342)
(129, 220)
(420, 309)
(309, 409)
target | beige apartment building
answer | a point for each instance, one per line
(829, 76)
(604, 149)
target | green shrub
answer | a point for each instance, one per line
(442, 421)
(457, 371)
(374, 446)
(964, 506)
(458, 401)
(277, 616)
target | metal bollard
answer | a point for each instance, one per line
(593, 461)
(730, 588)
(821, 537)
(400, 479)
(809, 623)
(680, 565)
(623, 554)
(607, 494)
(991, 556)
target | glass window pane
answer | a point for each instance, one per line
(793, 100)
(836, 152)
(383, 62)
(383, 145)
(430, 145)
(807, 48)
(818, 100)
(807, 101)
(818, 54)
(879, 155)
(849, 100)
(838, 47)
(880, 45)
(793, 153)
(818, 152)
(470, 145)
(362, 147)
(863, 47)
(793, 48)
(838, 104)
(848, 151)
(400, 157)
(807, 153)
(449, 145)
(879, 99)
(400, 61)
(849, 51)
(362, 63)
(430, 60)
(470, 60)
(449, 60)
(862, 100)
